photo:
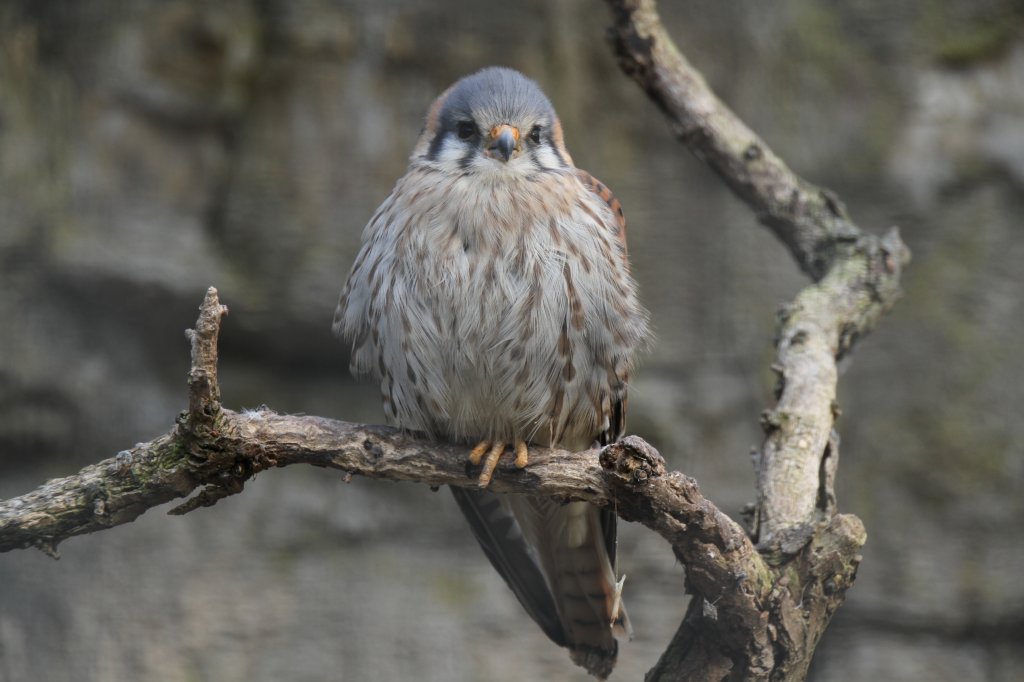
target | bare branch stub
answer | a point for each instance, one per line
(119, 489)
(755, 615)
(221, 473)
(204, 391)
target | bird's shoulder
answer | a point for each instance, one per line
(606, 196)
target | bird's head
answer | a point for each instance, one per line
(494, 121)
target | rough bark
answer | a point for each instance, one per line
(758, 610)
(742, 604)
(856, 280)
(216, 450)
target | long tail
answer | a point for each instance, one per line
(559, 560)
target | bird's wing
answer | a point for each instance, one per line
(557, 560)
(618, 224)
(617, 418)
(496, 529)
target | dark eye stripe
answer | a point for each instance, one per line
(467, 159)
(549, 138)
(534, 153)
(435, 146)
(438, 142)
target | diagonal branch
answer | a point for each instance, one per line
(809, 220)
(757, 613)
(857, 275)
(856, 279)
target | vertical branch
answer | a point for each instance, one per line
(857, 274)
(812, 548)
(204, 390)
(795, 481)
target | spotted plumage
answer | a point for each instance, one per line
(492, 302)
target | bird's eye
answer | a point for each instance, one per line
(465, 129)
(535, 134)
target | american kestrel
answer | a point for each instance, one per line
(492, 300)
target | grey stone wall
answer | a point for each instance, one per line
(149, 149)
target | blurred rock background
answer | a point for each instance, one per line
(149, 149)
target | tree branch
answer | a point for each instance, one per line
(856, 274)
(856, 279)
(797, 460)
(757, 612)
(217, 450)
(809, 220)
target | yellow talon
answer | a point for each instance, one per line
(493, 451)
(490, 464)
(477, 453)
(521, 454)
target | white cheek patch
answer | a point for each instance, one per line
(452, 152)
(547, 158)
(457, 156)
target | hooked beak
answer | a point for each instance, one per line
(504, 140)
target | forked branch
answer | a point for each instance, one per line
(758, 611)
(856, 280)
(216, 450)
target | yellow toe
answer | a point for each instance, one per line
(522, 454)
(477, 453)
(490, 464)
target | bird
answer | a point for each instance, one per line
(492, 300)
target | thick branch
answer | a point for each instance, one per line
(857, 280)
(750, 619)
(628, 476)
(217, 450)
(112, 492)
(797, 459)
(857, 274)
(809, 220)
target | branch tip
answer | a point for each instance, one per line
(217, 450)
(204, 391)
(633, 460)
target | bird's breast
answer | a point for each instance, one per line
(498, 322)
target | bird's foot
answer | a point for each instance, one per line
(490, 452)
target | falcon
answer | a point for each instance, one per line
(491, 299)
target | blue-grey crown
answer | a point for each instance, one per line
(497, 95)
